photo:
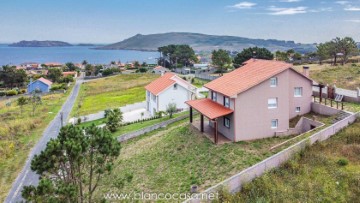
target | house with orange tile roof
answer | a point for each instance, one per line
(254, 101)
(40, 85)
(72, 73)
(167, 89)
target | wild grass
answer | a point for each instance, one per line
(111, 92)
(326, 172)
(347, 76)
(178, 156)
(19, 132)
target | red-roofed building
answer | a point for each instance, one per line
(255, 101)
(167, 89)
(72, 73)
(39, 85)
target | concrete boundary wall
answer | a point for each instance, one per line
(142, 131)
(101, 114)
(349, 95)
(323, 110)
(234, 183)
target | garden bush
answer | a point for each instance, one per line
(11, 93)
(342, 162)
(2, 93)
(55, 87)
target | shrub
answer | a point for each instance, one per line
(142, 70)
(11, 93)
(2, 94)
(23, 91)
(342, 162)
(55, 87)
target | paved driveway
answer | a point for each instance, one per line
(28, 177)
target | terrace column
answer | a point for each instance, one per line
(202, 123)
(191, 115)
(215, 131)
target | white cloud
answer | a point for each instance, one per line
(353, 21)
(244, 5)
(342, 2)
(352, 8)
(287, 11)
(290, 1)
(321, 10)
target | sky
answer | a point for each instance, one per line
(110, 21)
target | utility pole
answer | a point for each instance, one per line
(61, 118)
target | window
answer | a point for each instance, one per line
(175, 86)
(226, 122)
(297, 109)
(153, 97)
(298, 92)
(273, 82)
(213, 96)
(227, 102)
(272, 103)
(274, 123)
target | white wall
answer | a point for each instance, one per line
(178, 96)
(151, 105)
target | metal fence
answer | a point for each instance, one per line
(234, 183)
(206, 77)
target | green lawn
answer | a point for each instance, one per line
(20, 132)
(174, 158)
(326, 172)
(199, 82)
(111, 92)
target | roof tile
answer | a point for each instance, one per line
(251, 74)
(209, 108)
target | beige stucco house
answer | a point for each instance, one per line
(254, 101)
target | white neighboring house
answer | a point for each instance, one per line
(160, 70)
(169, 88)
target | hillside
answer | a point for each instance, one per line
(202, 42)
(36, 43)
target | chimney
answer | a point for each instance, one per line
(162, 72)
(306, 71)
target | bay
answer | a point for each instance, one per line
(75, 54)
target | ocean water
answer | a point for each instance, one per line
(75, 54)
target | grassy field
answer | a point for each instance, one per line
(347, 76)
(19, 133)
(199, 82)
(326, 172)
(178, 156)
(111, 92)
(132, 127)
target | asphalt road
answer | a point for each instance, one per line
(28, 177)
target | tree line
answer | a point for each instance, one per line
(337, 48)
(183, 55)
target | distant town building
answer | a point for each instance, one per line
(72, 73)
(41, 85)
(160, 70)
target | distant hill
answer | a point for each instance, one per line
(85, 45)
(202, 42)
(36, 43)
